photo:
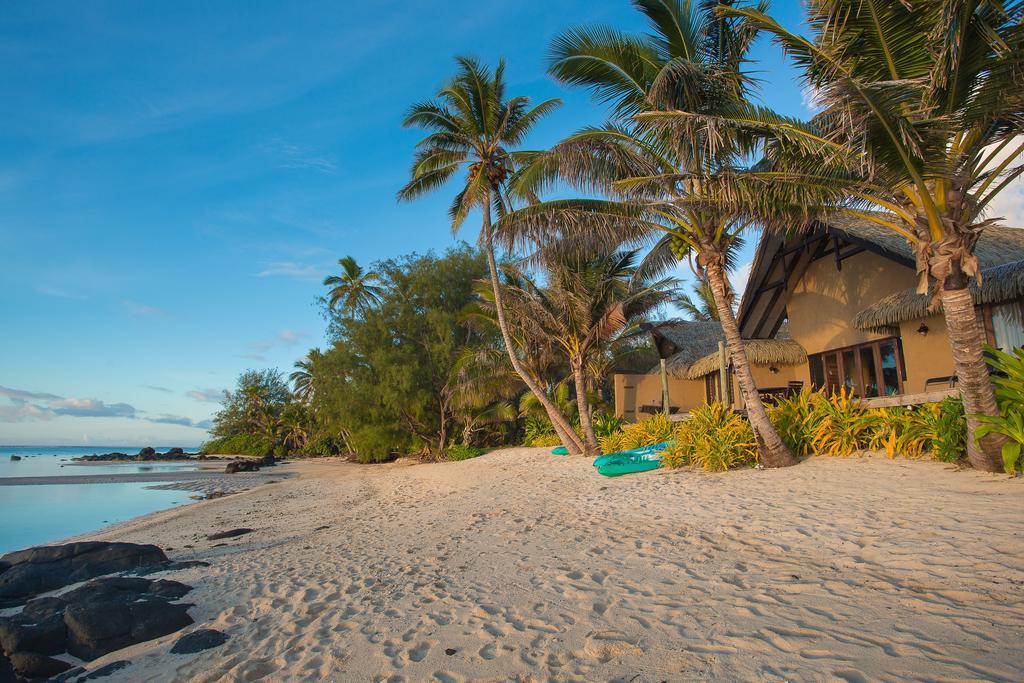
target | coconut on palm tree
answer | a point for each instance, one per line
(475, 128)
(922, 109)
(657, 182)
(354, 290)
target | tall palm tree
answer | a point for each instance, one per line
(656, 180)
(302, 377)
(355, 289)
(922, 112)
(587, 302)
(700, 303)
(473, 127)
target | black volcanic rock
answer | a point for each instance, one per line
(33, 666)
(228, 534)
(15, 458)
(197, 641)
(26, 573)
(147, 452)
(99, 617)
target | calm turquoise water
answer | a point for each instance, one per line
(31, 515)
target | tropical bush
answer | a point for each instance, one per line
(537, 432)
(841, 424)
(717, 439)
(606, 423)
(463, 452)
(239, 444)
(651, 430)
(794, 418)
(1009, 384)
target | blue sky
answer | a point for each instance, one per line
(177, 178)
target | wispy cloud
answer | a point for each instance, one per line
(290, 155)
(143, 310)
(59, 293)
(738, 279)
(180, 420)
(291, 337)
(296, 271)
(157, 388)
(206, 395)
(39, 406)
(253, 356)
(33, 405)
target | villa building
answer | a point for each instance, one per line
(834, 307)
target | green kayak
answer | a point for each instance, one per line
(627, 465)
(643, 459)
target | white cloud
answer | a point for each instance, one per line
(27, 406)
(1009, 203)
(291, 337)
(296, 271)
(206, 395)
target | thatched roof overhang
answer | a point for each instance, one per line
(763, 352)
(998, 284)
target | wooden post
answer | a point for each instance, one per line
(664, 387)
(723, 374)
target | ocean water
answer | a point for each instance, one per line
(38, 514)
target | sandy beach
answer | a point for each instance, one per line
(523, 566)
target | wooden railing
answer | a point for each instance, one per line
(910, 399)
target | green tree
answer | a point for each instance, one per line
(922, 108)
(700, 303)
(587, 303)
(390, 383)
(302, 377)
(675, 183)
(474, 127)
(355, 290)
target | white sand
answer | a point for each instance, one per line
(533, 567)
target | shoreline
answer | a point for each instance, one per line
(520, 564)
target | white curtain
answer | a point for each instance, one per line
(1008, 325)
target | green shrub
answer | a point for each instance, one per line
(651, 430)
(605, 424)
(1009, 386)
(795, 418)
(462, 452)
(675, 456)
(718, 438)
(537, 431)
(238, 444)
(843, 424)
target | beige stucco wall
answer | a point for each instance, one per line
(824, 301)
(925, 356)
(633, 391)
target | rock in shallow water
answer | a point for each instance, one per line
(197, 641)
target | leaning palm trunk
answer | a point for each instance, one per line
(774, 453)
(966, 338)
(561, 425)
(591, 446)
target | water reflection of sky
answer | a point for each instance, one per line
(31, 515)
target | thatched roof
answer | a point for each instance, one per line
(759, 352)
(997, 245)
(691, 339)
(998, 284)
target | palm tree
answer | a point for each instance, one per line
(700, 303)
(585, 304)
(474, 128)
(302, 377)
(355, 289)
(658, 181)
(922, 106)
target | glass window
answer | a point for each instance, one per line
(869, 377)
(832, 379)
(817, 372)
(867, 370)
(850, 383)
(890, 369)
(1008, 326)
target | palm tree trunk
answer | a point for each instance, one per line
(591, 446)
(562, 427)
(966, 338)
(773, 452)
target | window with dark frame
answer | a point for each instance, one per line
(712, 387)
(867, 370)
